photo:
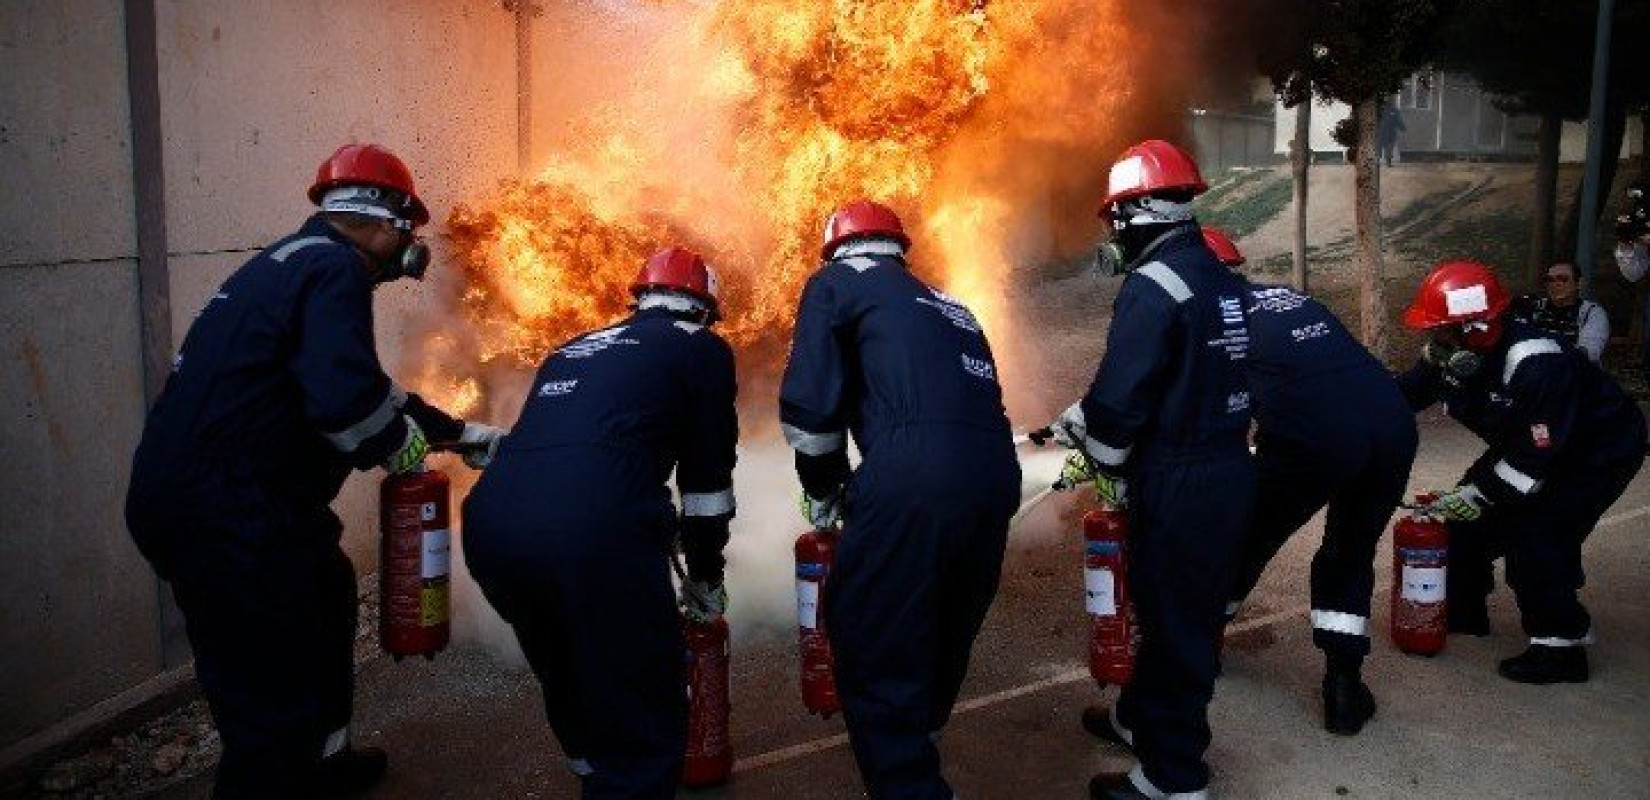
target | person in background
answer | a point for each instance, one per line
(1561, 311)
(1633, 254)
(1387, 130)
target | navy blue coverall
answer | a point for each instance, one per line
(570, 529)
(1564, 442)
(1332, 428)
(276, 394)
(908, 371)
(1169, 410)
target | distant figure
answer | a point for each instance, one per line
(1561, 311)
(1387, 128)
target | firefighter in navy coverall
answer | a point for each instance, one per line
(1331, 428)
(570, 531)
(276, 394)
(1162, 431)
(907, 370)
(1564, 442)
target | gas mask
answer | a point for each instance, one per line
(410, 260)
(1129, 245)
(1459, 362)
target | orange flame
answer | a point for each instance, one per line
(961, 115)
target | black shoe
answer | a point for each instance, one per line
(1469, 621)
(1347, 703)
(1097, 721)
(1113, 786)
(352, 770)
(1541, 664)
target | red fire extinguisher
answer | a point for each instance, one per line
(414, 599)
(1113, 633)
(1420, 563)
(815, 550)
(709, 757)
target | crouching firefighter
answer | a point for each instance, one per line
(1564, 442)
(1331, 429)
(1162, 432)
(570, 532)
(276, 394)
(906, 369)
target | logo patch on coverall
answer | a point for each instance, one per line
(1539, 434)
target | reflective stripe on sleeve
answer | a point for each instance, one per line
(1137, 776)
(1122, 730)
(285, 251)
(1161, 275)
(1340, 622)
(348, 439)
(1523, 350)
(707, 504)
(1105, 453)
(1517, 480)
(812, 444)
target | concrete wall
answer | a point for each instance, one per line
(253, 97)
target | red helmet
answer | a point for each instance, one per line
(369, 165)
(1456, 292)
(1149, 167)
(678, 269)
(1224, 248)
(862, 219)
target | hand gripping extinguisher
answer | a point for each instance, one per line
(815, 550)
(1112, 628)
(708, 760)
(1420, 563)
(414, 555)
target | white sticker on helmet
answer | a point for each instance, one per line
(1125, 175)
(1470, 300)
(712, 287)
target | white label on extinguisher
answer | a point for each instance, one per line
(1424, 584)
(437, 553)
(807, 604)
(1100, 591)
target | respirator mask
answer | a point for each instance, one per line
(412, 256)
(1462, 359)
(1136, 227)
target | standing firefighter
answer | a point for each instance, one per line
(907, 370)
(1162, 431)
(275, 396)
(571, 530)
(1564, 442)
(1331, 429)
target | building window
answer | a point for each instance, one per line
(1417, 92)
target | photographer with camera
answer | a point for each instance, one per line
(1633, 251)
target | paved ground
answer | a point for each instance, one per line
(469, 725)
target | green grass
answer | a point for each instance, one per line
(1244, 203)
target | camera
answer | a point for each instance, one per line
(1636, 222)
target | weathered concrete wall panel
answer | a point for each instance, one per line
(65, 153)
(77, 601)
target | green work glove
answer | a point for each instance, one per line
(822, 513)
(1080, 469)
(1464, 503)
(411, 452)
(702, 601)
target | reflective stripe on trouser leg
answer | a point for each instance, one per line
(1340, 622)
(1137, 776)
(1554, 641)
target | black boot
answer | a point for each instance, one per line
(1347, 703)
(1541, 664)
(1097, 721)
(352, 770)
(1113, 786)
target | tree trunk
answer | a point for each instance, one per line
(1366, 260)
(1300, 159)
(1546, 198)
(1615, 129)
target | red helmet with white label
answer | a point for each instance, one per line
(1151, 167)
(1225, 249)
(371, 166)
(862, 219)
(1457, 292)
(678, 269)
